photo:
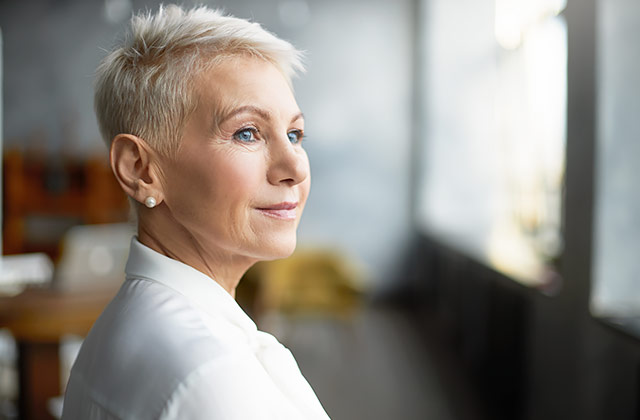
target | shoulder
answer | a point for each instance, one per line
(230, 388)
(153, 324)
(147, 345)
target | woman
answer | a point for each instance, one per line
(205, 138)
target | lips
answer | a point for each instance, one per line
(284, 211)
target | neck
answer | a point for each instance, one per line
(166, 236)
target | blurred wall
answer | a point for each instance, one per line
(356, 97)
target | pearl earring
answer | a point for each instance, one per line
(150, 202)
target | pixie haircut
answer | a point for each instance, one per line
(144, 86)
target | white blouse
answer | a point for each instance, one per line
(173, 344)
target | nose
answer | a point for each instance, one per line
(289, 164)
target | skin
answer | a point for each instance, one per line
(239, 154)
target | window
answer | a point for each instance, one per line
(616, 270)
(494, 132)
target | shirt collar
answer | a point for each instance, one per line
(196, 286)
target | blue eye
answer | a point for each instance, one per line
(245, 135)
(295, 136)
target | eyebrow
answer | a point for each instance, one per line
(264, 114)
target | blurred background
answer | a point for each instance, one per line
(470, 246)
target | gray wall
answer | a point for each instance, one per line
(356, 97)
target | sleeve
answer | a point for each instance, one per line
(232, 388)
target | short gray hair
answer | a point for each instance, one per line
(144, 86)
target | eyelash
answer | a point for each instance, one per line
(254, 132)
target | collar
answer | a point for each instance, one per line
(196, 286)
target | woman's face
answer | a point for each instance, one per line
(240, 179)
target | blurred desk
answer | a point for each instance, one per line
(39, 319)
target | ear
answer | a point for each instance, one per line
(132, 162)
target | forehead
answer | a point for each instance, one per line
(245, 80)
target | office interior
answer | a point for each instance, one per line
(470, 246)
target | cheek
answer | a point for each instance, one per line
(236, 180)
(219, 184)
